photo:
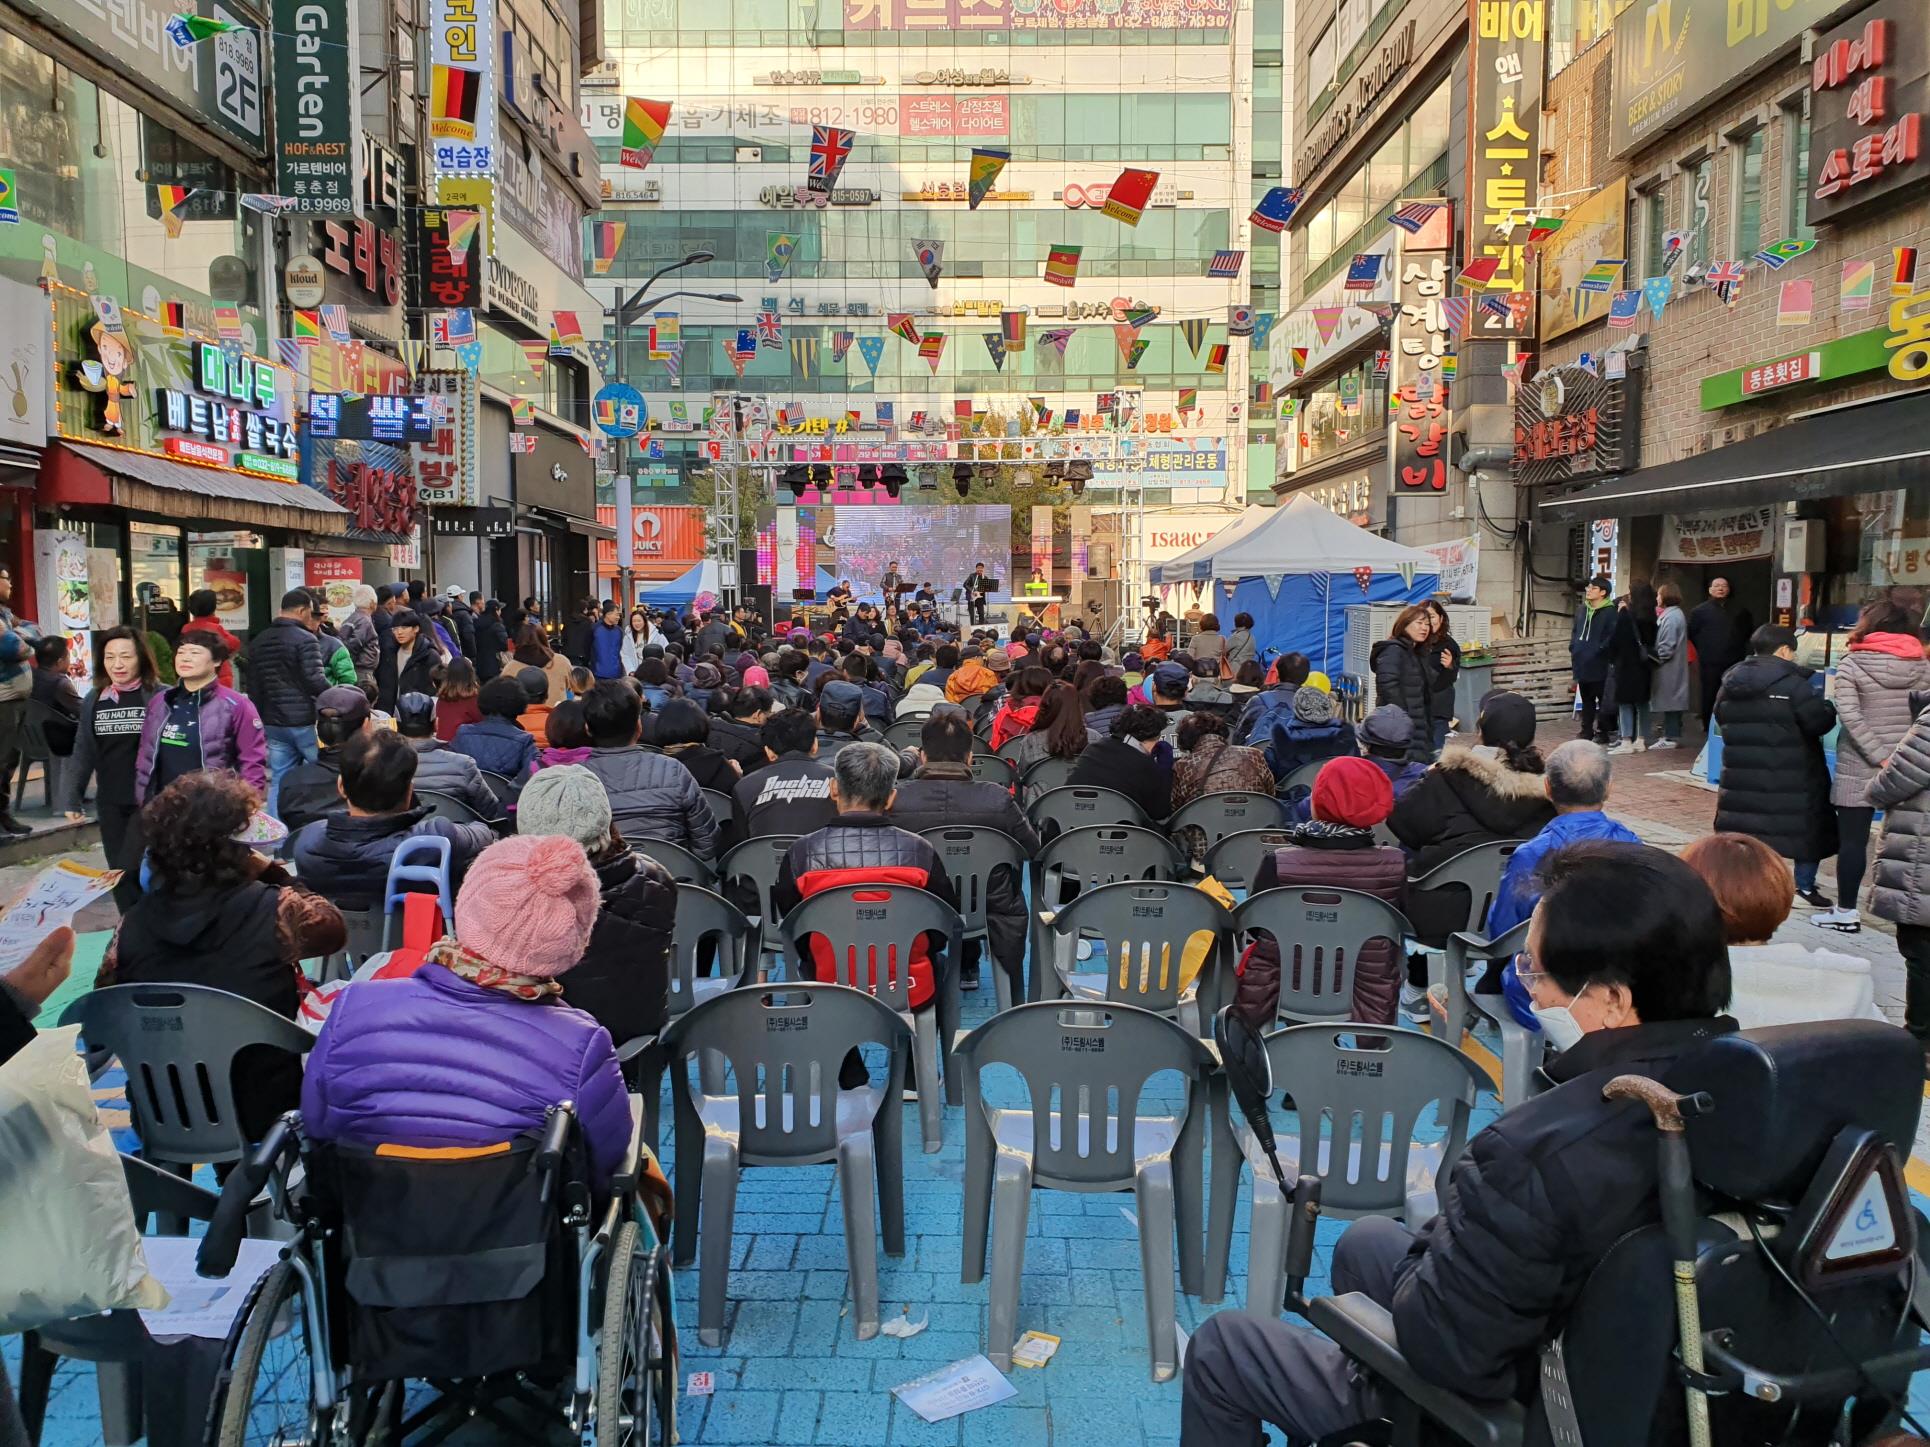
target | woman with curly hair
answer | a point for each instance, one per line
(216, 913)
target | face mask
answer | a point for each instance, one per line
(1558, 1026)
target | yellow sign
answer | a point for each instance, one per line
(471, 194)
(948, 191)
(1909, 339)
(1595, 229)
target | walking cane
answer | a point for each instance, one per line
(1677, 1189)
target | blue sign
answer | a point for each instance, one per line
(618, 410)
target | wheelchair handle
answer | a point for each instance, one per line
(556, 1139)
(216, 1257)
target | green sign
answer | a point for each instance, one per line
(1844, 357)
(318, 132)
(283, 467)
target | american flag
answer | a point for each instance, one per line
(1225, 263)
(1413, 216)
(770, 331)
(335, 318)
(1493, 306)
(830, 147)
(1454, 314)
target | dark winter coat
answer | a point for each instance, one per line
(497, 745)
(1127, 769)
(578, 640)
(463, 622)
(623, 979)
(1901, 788)
(282, 670)
(311, 791)
(946, 795)
(1254, 727)
(708, 766)
(346, 859)
(1721, 639)
(738, 740)
(442, 770)
(1341, 857)
(358, 635)
(1296, 743)
(1632, 649)
(1401, 678)
(654, 797)
(790, 796)
(1441, 679)
(492, 642)
(416, 672)
(1775, 781)
(1468, 798)
(1588, 642)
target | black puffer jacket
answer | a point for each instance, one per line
(441, 770)
(1126, 769)
(310, 791)
(654, 797)
(1471, 797)
(790, 796)
(492, 642)
(1775, 782)
(1401, 678)
(1441, 680)
(1632, 647)
(623, 978)
(740, 741)
(282, 674)
(346, 859)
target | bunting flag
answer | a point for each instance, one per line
(1622, 308)
(227, 322)
(673, 359)
(522, 412)
(569, 331)
(830, 149)
(1125, 335)
(1656, 291)
(1494, 306)
(1130, 195)
(983, 174)
(606, 238)
(1297, 359)
(872, 349)
(1543, 227)
(186, 30)
(903, 325)
(601, 354)
(1857, 289)
(462, 325)
(1132, 363)
(1056, 338)
(335, 318)
(1239, 320)
(171, 199)
(559, 347)
(1673, 249)
(1779, 254)
(1262, 393)
(734, 351)
(1413, 216)
(1012, 326)
(841, 344)
(1262, 329)
(1226, 263)
(669, 330)
(1903, 271)
(1189, 398)
(804, 356)
(1194, 330)
(644, 122)
(1363, 272)
(1479, 271)
(1454, 315)
(1381, 311)
(770, 329)
(174, 316)
(1276, 208)
(308, 327)
(535, 355)
(930, 255)
(1521, 307)
(995, 345)
(1216, 357)
(778, 249)
(931, 347)
(1796, 303)
(1601, 276)
(1725, 279)
(1383, 362)
(1450, 364)
(462, 228)
(1062, 264)
(1289, 408)
(1325, 320)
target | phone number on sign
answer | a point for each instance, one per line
(871, 117)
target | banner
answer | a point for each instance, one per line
(1460, 566)
(462, 89)
(1505, 61)
(1718, 537)
(318, 111)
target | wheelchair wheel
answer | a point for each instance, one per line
(635, 1382)
(265, 1396)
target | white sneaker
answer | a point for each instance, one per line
(1666, 744)
(1641, 746)
(1414, 1004)
(1843, 921)
(1625, 747)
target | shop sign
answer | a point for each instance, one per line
(1596, 226)
(189, 450)
(1507, 45)
(981, 15)
(540, 206)
(1672, 57)
(447, 467)
(556, 475)
(1370, 83)
(1718, 537)
(787, 197)
(336, 578)
(1355, 498)
(1803, 367)
(382, 180)
(1460, 567)
(1870, 89)
(473, 522)
(1908, 339)
(377, 486)
(957, 191)
(1570, 424)
(462, 86)
(285, 468)
(514, 296)
(230, 403)
(956, 78)
(389, 418)
(816, 77)
(1198, 464)
(26, 341)
(365, 255)
(954, 115)
(1604, 547)
(631, 190)
(1850, 356)
(444, 281)
(318, 140)
(303, 283)
(1165, 533)
(1418, 449)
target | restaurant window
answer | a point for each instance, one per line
(1338, 414)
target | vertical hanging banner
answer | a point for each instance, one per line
(462, 87)
(1418, 447)
(318, 129)
(1507, 40)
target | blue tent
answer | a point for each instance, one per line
(681, 591)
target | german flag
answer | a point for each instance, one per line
(452, 105)
(170, 200)
(174, 315)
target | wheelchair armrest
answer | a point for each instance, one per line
(624, 1180)
(1364, 1329)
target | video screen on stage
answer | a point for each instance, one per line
(936, 545)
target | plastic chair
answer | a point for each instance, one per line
(970, 853)
(1232, 811)
(684, 867)
(720, 807)
(982, 720)
(34, 748)
(404, 871)
(706, 917)
(506, 790)
(1085, 1070)
(1356, 1107)
(752, 865)
(1320, 931)
(1479, 870)
(1522, 1049)
(368, 934)
(178, 1044)
(1042, 775)
(1145, 929)
(1300, 778)
(870, 930)
(442, 806)
(785, 1049)
(995, 769)
(1081, 807)
(905, 732)
(1082, 859)
(1235, 859)
(1009, 749)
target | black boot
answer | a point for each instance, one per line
(11, 825)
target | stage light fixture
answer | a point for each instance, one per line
(892, 478)
(796, 479)
(1055, 472)
(962, 478)
(821, 476)
(867, 474)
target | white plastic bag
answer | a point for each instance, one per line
(68, 1246)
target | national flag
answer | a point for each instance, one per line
(174, 315)
(841, 344)
(1226, 263)
(1903, 271)
(1363, 272)
(770, 330)
(1383, 362)
(1012, 325)
(1216, 357)
(779, 247)
(606, 239)
(1725, 278)
(461, 328)
(1125, 335)
(1673, 249)
(1857, 290)
(904, 326)
(1194, 330)
(644, 122)
(872, 349)
(569, 331)
(1189, 398)
(1062, 265)
(983, 174)
(185, 29)
(929, 253)
(288, 351)
(804, 356)
(308, 328)
(1493, 306)
(1262, 393)
(335, 318)
(267, 203)
(522, 412)
(1601, 276)
(1454, 315)
(734, 350)
(931, 347)
(995, 345)
(171, 199)
(1297, 359)
(1796, 303)
(830, 148)
(1130, 195)
(1276, 208)
(1132, 363)
(1779, 254)
(1450, 364)
(536, 356)
(1543, 227)
(454, 92)
(1414, 215)
(1479, 271)
(886, 414)
(1139, 316)
(227, 322)
(1239, 320)
(1622, 308)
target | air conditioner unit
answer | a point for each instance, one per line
(1803, 546)
(750, 155)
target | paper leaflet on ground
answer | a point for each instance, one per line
(1034, 1349)
(964, 1386)
(197, 1305)
(57, 894)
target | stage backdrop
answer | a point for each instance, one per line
(939, 545)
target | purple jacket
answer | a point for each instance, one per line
(231, 736)
(433, 1060)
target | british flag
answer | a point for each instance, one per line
(830, 147)
(1725, 277)
(770, 331)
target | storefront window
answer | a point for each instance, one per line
(1893, 538)
(1698, 200)
(1795, 140)
(1338, 414)
(1654, 208)
(1748, 154)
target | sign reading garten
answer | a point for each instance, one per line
(318, 139)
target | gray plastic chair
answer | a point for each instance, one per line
(1009, 749)
(1043, 775)
(368, 934)
(785, 1048)
(1082, 859)
(1358, 1104)
(1081, 806)
(684, 867)
(1320, 931)
(752, 865)
(1479, 870)
(444, 806)
(1235, 859)
(1232, 811)
(720, 807)
(905, 733)
(178, 1044)
(870, 929)
(1080, 1065)
(706, 917)
(1300, 778)
(506, 789)
(1522, 1049)
(995, 769)
(970, 853)
(1144, 928)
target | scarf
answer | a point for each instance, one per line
(1896, 645)
(466, 964)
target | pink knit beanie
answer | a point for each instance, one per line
(528, 905)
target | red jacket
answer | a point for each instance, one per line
(1012, 720)
(226, 676)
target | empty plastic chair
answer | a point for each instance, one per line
(994, 769)
(1235, 859)
(1085, 1070)
(1146, 931)
(869, 930)
(705, 917)
(1082, 859)
(504, 788)
(1216, 816)
(1320, 932)
(1522, 1049)
(1079, 806)
(419, 859)
(1300, 781)
(748, 871)
(784, 1049)
(970, 854)
(720, 808)
(1356, 1107)
(684, 867)
(905, 732)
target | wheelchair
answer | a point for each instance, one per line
(1781, 1300)
(492, 1275)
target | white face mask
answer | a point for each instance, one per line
(1558, 1026)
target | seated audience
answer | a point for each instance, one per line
(651, 796)
(683, 733)
(791, 794)
(1384, 736)
(1123, 761)
(738, 731)
(457, 699)
(1209, 762)
(1311, 732)
(1058, 729)
(1021, 706)
(1255, 724)
(1105, 700)
(567, 734)
(534, 719)
(313, 790)
(498, 742)
(439, 768)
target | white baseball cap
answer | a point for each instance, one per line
(454, 590)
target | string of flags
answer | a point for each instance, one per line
(830, 149)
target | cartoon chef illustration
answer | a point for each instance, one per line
(109, 376)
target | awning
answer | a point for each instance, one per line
(582, 527)
(1870, 448)
(78, 473)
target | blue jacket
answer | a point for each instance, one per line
(606, 651)
(1520, 887)
(498, 746)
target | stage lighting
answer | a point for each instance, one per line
(892, 478)
(1055, 472)
(821, 476)
(928, 478)
(867, 474)
(962, 478)
(1078, 473)
(796, 479)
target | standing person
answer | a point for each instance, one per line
(417, 659)
(636, 638)
(358, 635)
(1901, 788)
(1588, 654)
(533, 651)
(492, 640)
(977, 588)
(461, 619)
(1442, 660)
(1875, 684)
(1719, 629)
(109, 746)
(892, 584)
(1669, 690)
(1775, 781)
(1401, 675)
(198, 725)
(1632, 649)
(606, 645)
(579, 634)
(202, 604)
(1240, 647)
(1209, 645)
(284, 678)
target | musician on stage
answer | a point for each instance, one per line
(977, 587)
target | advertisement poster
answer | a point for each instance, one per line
(60, 561)
(1460, 566)
(1718, 537)
(215, 566)
(337, 578)
(1596, 228)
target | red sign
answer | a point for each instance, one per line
(379, 499)
(1870, 83)
(1771, 375)
(669, 540)
(369, 256)
(1569, 435)
(954, 115)
(194, 451)
(332, 570)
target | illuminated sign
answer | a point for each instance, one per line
(190, 450)
(225, 407)
(281, 467)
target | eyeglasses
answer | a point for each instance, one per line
(1523, 965)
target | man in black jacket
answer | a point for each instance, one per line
(1719, 630)
(740, 734)
(579, 634)
(1538, 1198)
(282, 671)
(1775, 781)
(312, 790)
(439, 768)
(461, 619)
(791, 794)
